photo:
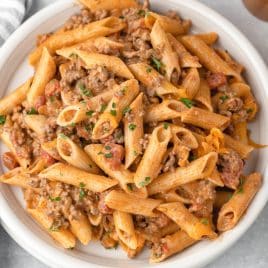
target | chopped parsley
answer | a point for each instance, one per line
(130, 187)
(108, 155)
(53, 228)
(107, 147)
(135, 153)
(57, 198)
(32, 111)
(113, 112)
(187, 102)
(82, 192)
(85, 91)
(204, 221)
(113, 105)
(132, 126)
(224, 98)
(121, 17)
(148, 70)
(90, 113)
(73, 55)
(192, 157)
(142, 13)
(250, 110)
(63, 136)
(240, 189)
(145, 182)
(103, 107)
(126, 110)
(157, 64)
(72, 125)
(52, 98)
(123, 90)
(100, 153)
(166, 125)
(2, 119)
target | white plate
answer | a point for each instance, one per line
(14, 70)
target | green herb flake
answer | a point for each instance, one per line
(82, 192)
(103, 107)
(192, 157)
(135, 153)
(157, 63)
(240, 189)
(53, 228)
(224, 98)
(82, 185)
(72, 125)
(142, 13)
(73, 55)
(121, 17)
(55, 199)
(130, 187)
(250, 110)
(149, 69)
(166, 125)
(204, 221)
(187, 102)
(63, 136)
(32, 111)
(52, 98)
(113, 105)
(84, 90)
(107, 147)
(108, 155)
(99, 153)
(132, 126)
(123, 90)
(113, 112)
(90, 165)
(2, 119)
(126, 110)
(145, 182)
(230, 195)
(90, 113)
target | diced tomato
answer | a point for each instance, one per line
(48, 158)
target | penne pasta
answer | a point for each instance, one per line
(57, 41)
(233, 210)
(133, 130)
(204, 119)
(197, 169)
(189, 223)
(94, 5)
(154, 153)
(170, 245)
(191, 83)
(36, 122)
(50, 147)
(169, 58)
(208, 57)
(203, 96)
(125, 229)
(15, 98)
(71, 175)
(208, 38)
(130, 204)
(45, 71)
(75, 155)
(110, 118)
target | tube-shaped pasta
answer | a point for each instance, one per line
(191, 83)
(15, 98)
(61, 235)
(208, 57)
(169, 25)
(121, 174)
(204, 119)
(152, 79)
(125, 230)
(90, 45)
(75, 155)
(232, 211)
(81, 228)
(242, 149)
(76, 113)
(173, 244)
(50, 147)
(172, 196)
(187, 221)
(45, 71)
(36, 122)
(215, 178)
(110, 118)
(5, 137)
(169, 57)
(153, 154)
(166, 110)
(185, 58)
(112, 63)
(131, 204)
(203, 95)
(74, 176)
(68, 38)
(222, 197)
(133, 131)
(94, 5)
(197, 169)
(184, 136)
(208, 38)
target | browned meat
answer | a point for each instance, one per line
(216, 80)
(230, 166)
(9, 160)
(103, 208)
(52, 88)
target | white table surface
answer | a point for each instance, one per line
(251, 251)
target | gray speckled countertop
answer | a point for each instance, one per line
(251, 249)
